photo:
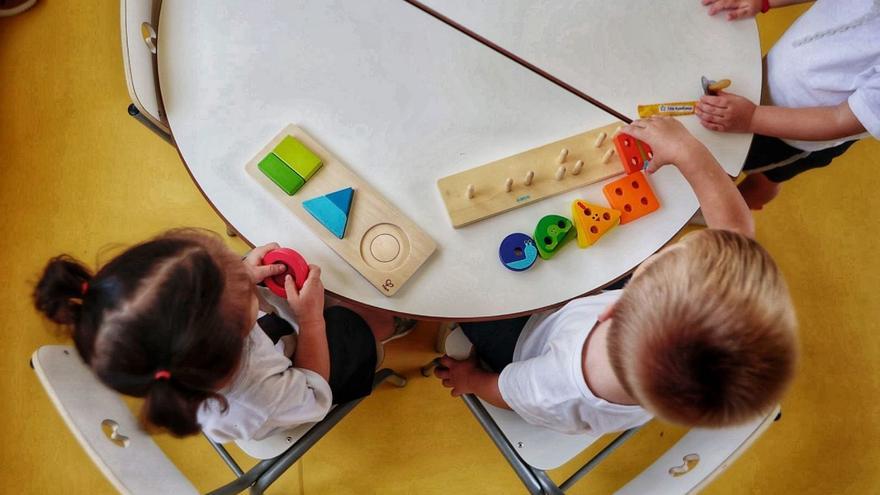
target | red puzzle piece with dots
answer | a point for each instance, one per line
(633, 153)
(631, 196)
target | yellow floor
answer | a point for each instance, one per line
(78, 175)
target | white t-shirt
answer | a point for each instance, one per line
(545, 383)
(830, 55)
(266, 395)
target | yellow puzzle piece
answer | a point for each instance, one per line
(592, 221)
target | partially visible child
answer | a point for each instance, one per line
(704, 333)
(822, 92)
(175, 320)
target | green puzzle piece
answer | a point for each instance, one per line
(298, 157)
(275, 169)
(551, 233)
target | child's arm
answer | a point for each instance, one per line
(744, 9)
(722, 204)
(466, 377)
(732, 113)
(308, 305)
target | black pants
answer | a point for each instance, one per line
(770, 151)
(352, 350)
(495, 341)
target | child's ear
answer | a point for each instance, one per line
(606, 313)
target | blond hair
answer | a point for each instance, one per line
(706, 334)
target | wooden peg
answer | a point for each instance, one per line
(563, 154)
(530, 176)
(617, 131)
(578, 165)
(560, 173)
(470, 191)
(600, 139)
(607, 155)
(508, 184)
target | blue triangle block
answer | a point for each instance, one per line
(342, 199)
(329, 214)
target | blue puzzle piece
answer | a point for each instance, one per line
(331, 210)
(342, 199)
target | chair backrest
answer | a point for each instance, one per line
(537, 446)
(140, 21)
(105, 427)
(697, 458)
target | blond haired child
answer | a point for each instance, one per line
(822, 92)
(703, 334)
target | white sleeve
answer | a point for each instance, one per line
(523, 389)
(865, 103)
(293, 397)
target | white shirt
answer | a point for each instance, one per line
(266, 395)
(830, 55)
(545, 383)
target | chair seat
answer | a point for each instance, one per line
(539, 447)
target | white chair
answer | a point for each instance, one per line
(687, 467)
(128, 457)
(140, 20)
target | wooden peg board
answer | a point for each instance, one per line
(490, 194)
(380, 242)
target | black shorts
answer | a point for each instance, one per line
(780, 162)
(495, 341)
(352, 350)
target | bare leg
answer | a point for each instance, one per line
(757, 190)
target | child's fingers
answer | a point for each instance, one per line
(456, 392)
(290, 288)
(719, 101)
(314, 274)
(447, 383)
(709, 110)
(441, 373)
(258, 252)
(263, 272)
(711, 126)
(447, 361)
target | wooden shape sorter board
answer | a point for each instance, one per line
(490, 195)
(380, 242)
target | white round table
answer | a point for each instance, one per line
(404, 99)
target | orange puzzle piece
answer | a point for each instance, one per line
(632, 195)
(632, 152)
(592, 221)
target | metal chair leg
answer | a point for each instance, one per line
(134, 112)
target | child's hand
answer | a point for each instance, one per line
(307, 303)
(668, 139)
(457, 375)
(259, 272)
(735, 9)
(726, 112)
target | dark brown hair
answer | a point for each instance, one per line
(706, 334)
(178, 302)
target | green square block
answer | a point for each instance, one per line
(275, 169)
(298, 157)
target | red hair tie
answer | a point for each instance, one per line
(162, 375)
(84, 288)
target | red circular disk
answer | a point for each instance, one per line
(296, 266)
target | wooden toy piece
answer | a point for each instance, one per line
(560, 173)
(298, 157)
(296, 267)
(539, 168)
(551, 233)
(332, 210)
(632, 196)
(711, 87)
(470, 191)
(563, 154)
(578, 166)
(278, 172)
(592, 221)
(607, 155)
(508, 184)
(600, 139)
(379, 241)
(518, 252)
(633, 153)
